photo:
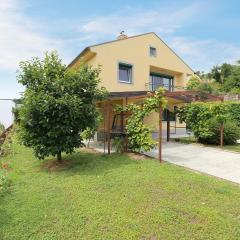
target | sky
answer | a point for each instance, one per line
(204, 33)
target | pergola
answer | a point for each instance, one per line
(124, 98)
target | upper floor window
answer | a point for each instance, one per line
(158, 80)
(125, 72)
(153, 51)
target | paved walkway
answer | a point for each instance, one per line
(213, 161)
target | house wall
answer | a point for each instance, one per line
(135, 51)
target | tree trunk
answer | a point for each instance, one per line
(221, 135)
(59, 157)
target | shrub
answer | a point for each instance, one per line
(201, 117)
(2, 128)
(88, 134)
(4, 182)
(118, 144)
(234, 110)
(6, 147)
(230, 136)
(139, 134)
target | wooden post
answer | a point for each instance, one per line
(108, 126)
(104, 127)
(125, 102)
(160, 135)
(122, 119)
(168, 125)
(221, 134)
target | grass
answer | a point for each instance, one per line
(189, 140)
(114, 197)
(186, 140)
(235, 147)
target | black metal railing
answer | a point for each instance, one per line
(153, 86)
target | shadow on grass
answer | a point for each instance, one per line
(86, 163)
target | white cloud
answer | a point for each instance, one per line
(19, 36)
(137, 21)
(203, 54)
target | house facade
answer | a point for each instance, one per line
(138, 64)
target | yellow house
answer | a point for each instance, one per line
(131, 67)
(134, 65)
(137, 63)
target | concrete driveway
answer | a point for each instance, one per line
(213, 161)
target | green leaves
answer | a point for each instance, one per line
(139, 135)
(2, 128)
(193, 83)
(198, 116)
(58, 104)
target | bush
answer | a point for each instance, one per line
(4, 182)
(2, 128)
(204, 119)
(118, 144)
(234, 110)
(230, 136)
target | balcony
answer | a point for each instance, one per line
(155, 86)
(159, 80)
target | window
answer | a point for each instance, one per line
(125, 73)
(159, 80)
(153, 51)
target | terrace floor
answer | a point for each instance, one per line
(213, 161)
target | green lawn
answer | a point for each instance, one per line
(114, 197)
(235, 147)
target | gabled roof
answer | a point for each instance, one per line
(85, 50)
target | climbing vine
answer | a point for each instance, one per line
(139, 134)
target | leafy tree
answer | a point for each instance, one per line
(232, 82)
(221, 115)
(193, 83)
(220, 73)
(203, 85)
(230, 134)
(201, 117)
(57, 106)
(221, 79)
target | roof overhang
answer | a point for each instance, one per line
(84, 56)
(178, 96)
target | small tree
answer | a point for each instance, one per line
(221, 115)
(193, 83)
(57, 106)
(204, 118)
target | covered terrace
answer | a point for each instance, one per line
(113, 124)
